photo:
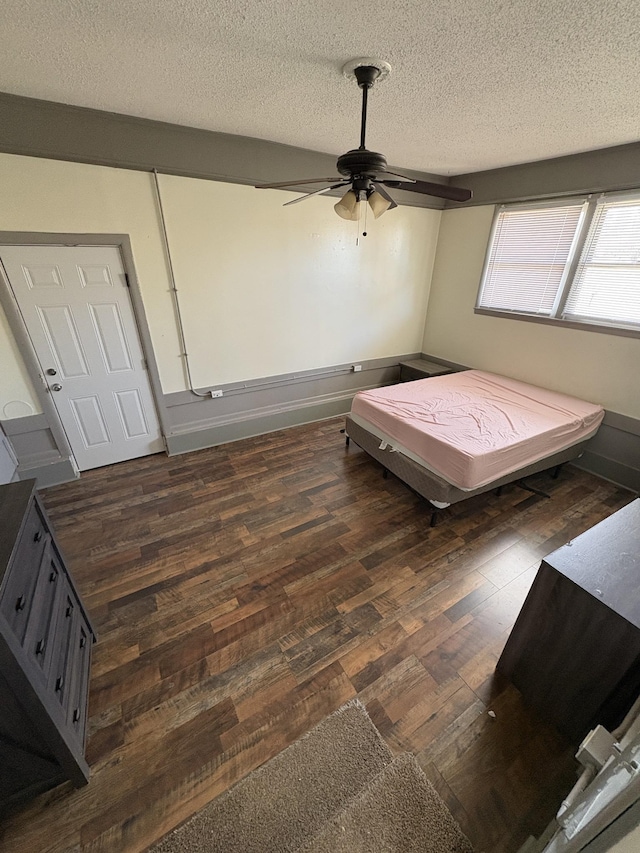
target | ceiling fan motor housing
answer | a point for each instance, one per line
(360, 161)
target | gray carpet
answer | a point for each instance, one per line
(399, 811)
(336, 789)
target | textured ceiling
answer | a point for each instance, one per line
(476, 84)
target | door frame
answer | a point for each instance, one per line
(23, 340)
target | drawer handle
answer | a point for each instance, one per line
(20, 603)
(83, 642)
(59, 683)
(41, 645)
(53, 576)
(69, 610)
(76, 715)
(38, 536)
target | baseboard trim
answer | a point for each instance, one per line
(272, 403)
(51, 474)
(609, 469)
(258, 423)
(25, 424)
(614, 451)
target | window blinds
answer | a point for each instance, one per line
(606, 285)
(529, 253)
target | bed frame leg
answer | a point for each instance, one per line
(346, 437)
(532, 489)
(434, 517)
(498, 491)
(385, 473)
(556, 471)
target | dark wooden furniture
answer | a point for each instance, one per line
(45, 654)
(420, 368)
(574, 651)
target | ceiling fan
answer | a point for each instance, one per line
(365, 172)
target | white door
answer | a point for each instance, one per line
(76, 306)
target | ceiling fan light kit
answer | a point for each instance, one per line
(378, 204)
(365, 172)
(347, 207)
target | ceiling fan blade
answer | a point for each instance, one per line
(296, 183)
(427, 188)
(316, 192)
(398, 175)
(384, 194)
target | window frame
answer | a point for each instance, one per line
(582, 232)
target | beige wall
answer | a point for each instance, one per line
(271, 289)
(598, 367)
(263, 289)
(17, 398)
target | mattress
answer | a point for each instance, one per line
(473, 427)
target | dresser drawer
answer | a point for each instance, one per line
(45, 611)
(17, 598)
(79, 679)
(62, 660)
(68, 680)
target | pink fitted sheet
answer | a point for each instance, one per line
(473, 427)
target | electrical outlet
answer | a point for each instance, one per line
(217, 393)
(357, 368)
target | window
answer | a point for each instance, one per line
(576, 261)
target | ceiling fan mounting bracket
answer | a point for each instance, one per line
(351, 69)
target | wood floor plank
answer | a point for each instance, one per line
(244, 592)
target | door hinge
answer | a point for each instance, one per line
(126, 279)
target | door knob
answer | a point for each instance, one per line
(51, 371)
(56, 387)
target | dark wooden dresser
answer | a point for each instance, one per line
(45, 654)
(574, 652)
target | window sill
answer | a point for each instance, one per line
(555, 321)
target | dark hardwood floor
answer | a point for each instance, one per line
(243, 593)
